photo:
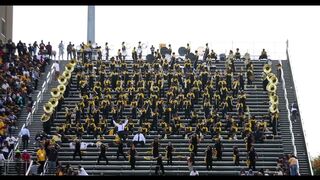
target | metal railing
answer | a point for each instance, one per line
(35, 105)
(302, 122)
(29, 168)
(45, 167)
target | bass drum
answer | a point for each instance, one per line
(182, 51)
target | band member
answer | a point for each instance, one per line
(237, 54)
(208, 157)
(236, 156)
(252, 157)
(102, 154)
(218, 147)
(132, 156)
(120, 151)
(159, 165)
(194, 140)
(169, 153)
(155, 147)
(134, 55)
(77, 150)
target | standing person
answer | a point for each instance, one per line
(294, 111)
(120, 151)
(252, 158)
(69, 51)
(35, 77)
(52, 159)
(236, 156)
(194, 140)
(25, 135)
(77, 149)
(56, 68)
(293, 165)
(41, 158)
(218, 147)
(26, 159)
(159, 165)
(35, 46)
(169, 153)
(132, 156)
(49, 50)
(191, 161)
(155, 147)
(107, 51)
(120, 129)
(61, 50)
(208, 157)
(102, 154)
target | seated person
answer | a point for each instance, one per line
(263, 54)
(139, 138)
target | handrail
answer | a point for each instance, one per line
(289, 114)
(45, 166)
(29, 168)
(302, 122)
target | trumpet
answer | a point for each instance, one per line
(271, 88)
(54, 102)
(267, 69)
(48, 108)
(69, 67)
(55, 92)
(62, 79)
(61, 88)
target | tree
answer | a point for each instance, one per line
(316, 166)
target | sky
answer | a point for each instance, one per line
(250, 28)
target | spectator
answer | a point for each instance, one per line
(294, 111)
(293, 165)
(52, 158)
(41, 158)
(25, 135)
(69, 51)
(56, 68)
(61, 50)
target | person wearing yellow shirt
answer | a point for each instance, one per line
(41, 157)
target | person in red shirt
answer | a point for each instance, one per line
(26, 159)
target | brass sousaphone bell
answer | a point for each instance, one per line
(55, 92)
(45, 117)
(48, 108)
(271, 88)
(267, 69)
(61, 88)
(273, 108)
(69, 67)
(62, 80)
(67, 74)
(54, 102)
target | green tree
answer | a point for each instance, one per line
(316, 166)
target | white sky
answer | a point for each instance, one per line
(250, 28)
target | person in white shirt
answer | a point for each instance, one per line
(2, 159)
(194, 172)
(82, 171)
(11, 141)
(120, 129)
(139, 139)
(61, 50)
(25, 135)
(56, 68)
